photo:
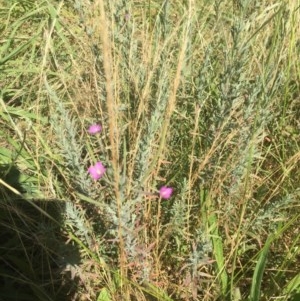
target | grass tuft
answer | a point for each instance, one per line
(198, 96)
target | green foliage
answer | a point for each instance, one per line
(104, 295)
(255, 293)
(211, 223)
(293, 287)
(202, 96)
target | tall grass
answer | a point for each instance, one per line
(201, 96)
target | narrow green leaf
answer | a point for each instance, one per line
(16, 51)
(218, 251)
(104, 295)
(210, 218)
(293, 285)
(259, 271)
(156, 292)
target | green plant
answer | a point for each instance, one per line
(198, 96)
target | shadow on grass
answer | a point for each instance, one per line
(35, 261)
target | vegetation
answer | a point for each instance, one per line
(197, 96)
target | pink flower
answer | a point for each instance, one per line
(94, 129)
(165, 192)
(97, 171)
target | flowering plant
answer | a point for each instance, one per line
(94, 129)
(165, 192)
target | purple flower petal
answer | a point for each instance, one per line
(97, 171)
(94, 129)
(165, 192)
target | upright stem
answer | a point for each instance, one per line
(112, 110)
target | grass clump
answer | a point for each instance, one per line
(198, 96)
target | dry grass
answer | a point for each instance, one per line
(200, 96)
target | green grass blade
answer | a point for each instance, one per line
(293, 286)
(104, 295)
(218, 251)
(259, 271)
(211, 218)
(16, 51)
